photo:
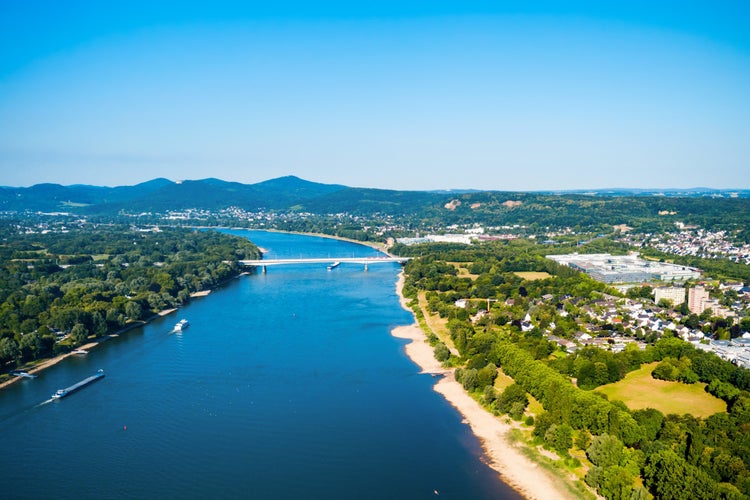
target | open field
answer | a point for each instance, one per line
(639, 390)
(434, 321)
(462, 271)
(502, 381)
(437, 324)
(535, 407)
(533, 275)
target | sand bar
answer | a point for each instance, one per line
(514, 467)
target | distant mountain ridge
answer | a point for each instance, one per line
(162, 194)
(292, 194)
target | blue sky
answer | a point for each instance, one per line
(517, 95)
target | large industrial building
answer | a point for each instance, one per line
(626, 268)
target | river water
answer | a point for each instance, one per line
(286, 385)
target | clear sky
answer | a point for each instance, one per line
(507, 95)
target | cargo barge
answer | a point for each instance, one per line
(61, 393)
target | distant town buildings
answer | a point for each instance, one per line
(675, 294)
(736, 350)
(465, 239)
(625, 268)
(697, 298)
(694, 241)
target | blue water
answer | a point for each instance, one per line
(286, 385)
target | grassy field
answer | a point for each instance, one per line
(639, 390)
(436, 323)
(502, 381)
(533, 275)
(462, 271)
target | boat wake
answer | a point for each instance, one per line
(22, 412)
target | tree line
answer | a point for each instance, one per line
(93, 281)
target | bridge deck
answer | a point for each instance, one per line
(317, 260)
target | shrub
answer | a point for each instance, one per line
(442, 353)
(469, 379)
(514, 393)
(489, 395)
(516, 410)
(559, 438)
(605, 451)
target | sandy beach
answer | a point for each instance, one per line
(515, 468)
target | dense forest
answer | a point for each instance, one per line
(59, 289)
(644, 214)
(625, 453)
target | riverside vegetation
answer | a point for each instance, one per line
(620, 452)
(61, 289)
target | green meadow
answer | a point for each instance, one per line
(639, 390)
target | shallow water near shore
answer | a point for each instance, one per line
(286, 385)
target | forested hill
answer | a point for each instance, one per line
(643, 209)
(160, 195)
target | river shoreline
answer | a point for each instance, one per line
(515, 469)
(86, 347)
(90, 345)
(46, 363)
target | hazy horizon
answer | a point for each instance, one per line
(393, 95)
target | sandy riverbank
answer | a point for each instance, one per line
(514, 467)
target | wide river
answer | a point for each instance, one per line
(286, 385)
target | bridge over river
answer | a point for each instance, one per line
(330, 261)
